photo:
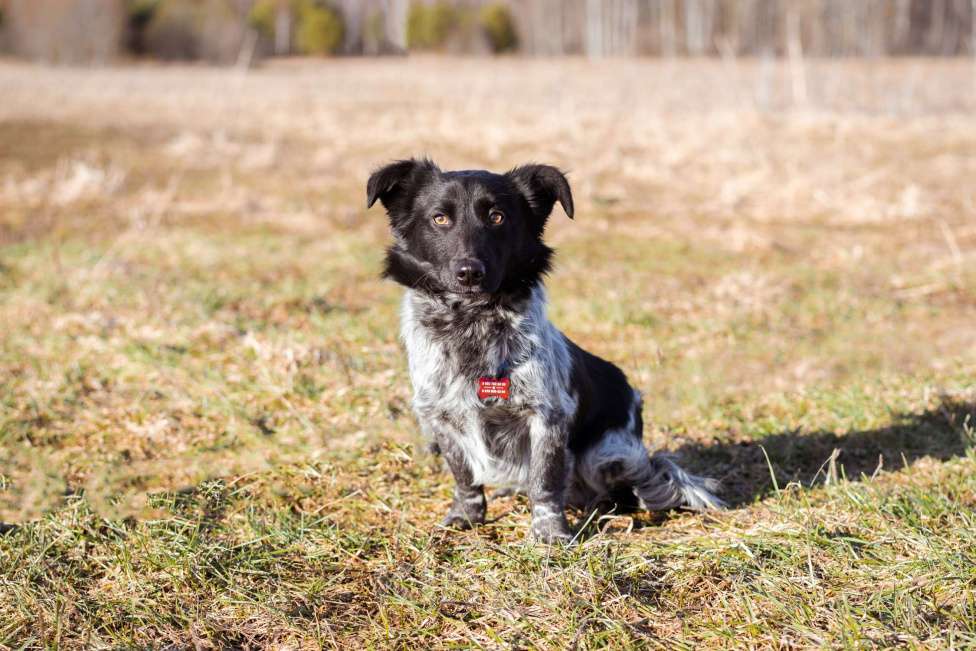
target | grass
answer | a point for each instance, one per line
(205, 437)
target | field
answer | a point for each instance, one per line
(205, 433)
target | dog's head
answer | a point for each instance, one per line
(468, 232)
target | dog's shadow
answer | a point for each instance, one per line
(747, 468)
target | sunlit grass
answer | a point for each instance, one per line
(205, 437)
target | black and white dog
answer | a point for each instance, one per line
(506, 397)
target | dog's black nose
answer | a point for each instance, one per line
(469, 272)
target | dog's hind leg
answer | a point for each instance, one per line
(621, 462)
(662, 484)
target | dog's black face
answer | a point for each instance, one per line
(468, 232)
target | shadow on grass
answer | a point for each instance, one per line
(806, 457)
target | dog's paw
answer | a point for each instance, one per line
(552, 530)
(456, 520)
(465, 516)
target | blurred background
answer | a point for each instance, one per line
(775, 237)
(776, 219)
(243, 31)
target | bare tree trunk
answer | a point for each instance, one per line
(557, 14)
(699, 23)
(593, 44)
(353, 17)
(396, 23)
(972, 29)
(852, 27)
(817, 44)
(957, 44)
(876, 27)
(245, 57)
(668, 36)
(694, 41)
(767, 29)
(972, 38)
(282, 28)
(936, 33)
(902, 26)
(794, 48)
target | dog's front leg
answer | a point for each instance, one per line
(469, 506)
(548, 477)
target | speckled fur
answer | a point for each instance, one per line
(451, 342)
(570, 432)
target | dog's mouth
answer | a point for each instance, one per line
(472, 291)
(486, 287)
(481, 290)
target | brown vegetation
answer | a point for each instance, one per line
(84, 31)
(205, 436)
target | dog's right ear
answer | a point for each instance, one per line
(397, 179)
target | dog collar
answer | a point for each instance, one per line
(494, 387)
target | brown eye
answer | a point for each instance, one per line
(496, 217)
(442, 220)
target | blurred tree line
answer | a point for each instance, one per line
(80, 31)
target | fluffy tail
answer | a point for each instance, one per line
(662, 484)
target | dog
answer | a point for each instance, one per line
(505, 397)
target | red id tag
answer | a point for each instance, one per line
(493, 388)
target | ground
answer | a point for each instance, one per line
(205, 436)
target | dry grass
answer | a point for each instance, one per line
(204, 428)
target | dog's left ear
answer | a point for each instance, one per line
(542, 186)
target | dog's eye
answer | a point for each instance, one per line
(496, 217)
(441, 219)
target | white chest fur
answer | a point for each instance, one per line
(445, 366)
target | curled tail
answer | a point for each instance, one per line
(662, 484)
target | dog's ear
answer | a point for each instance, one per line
(397, 179)
(542, 186)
